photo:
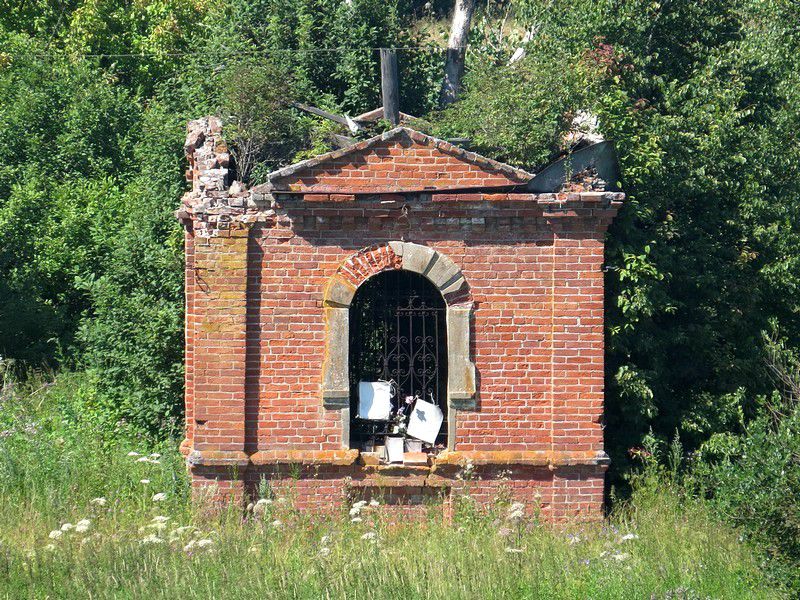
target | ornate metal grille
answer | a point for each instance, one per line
(397, 332)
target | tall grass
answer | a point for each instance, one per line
(57, 467)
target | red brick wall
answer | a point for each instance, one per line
(538, 325)
(536, 285)
(256, 334)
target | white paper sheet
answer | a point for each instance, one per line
(425, 421)
(374, 400)
(394, 449)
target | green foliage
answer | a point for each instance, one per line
(55, 461)
(260, 128)
(330, 47)
(753, 478)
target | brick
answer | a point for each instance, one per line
(268, 288)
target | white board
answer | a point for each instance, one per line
(374, 400)
(425, 421)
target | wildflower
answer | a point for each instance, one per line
(325, 539)
(516, 511)
(466, 471)
(159, 497)
(98, 501)
(370, 535)
(628, 536)
(67, 527)
(55, 534)
(82, 526)
(205, 543)
(155, 455)
(356, 520)
(324, 551)
(50, 547)
(160, 519)
(511, 550)
(157, 526)
(276, 524)
(133, 454)
(360, 504)
(152, 539)
(254, 549)
(504, 531)
(184, 529)
(574, 539)
(260, 507)
(144, 481)
(143, 459)
(621, 556)
(355, 511)
(374, 502)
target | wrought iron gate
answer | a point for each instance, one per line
(398, 332)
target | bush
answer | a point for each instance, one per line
(753, 478)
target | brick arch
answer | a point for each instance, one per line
(339, 293)
(438, 268)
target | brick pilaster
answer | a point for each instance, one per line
(220, 282)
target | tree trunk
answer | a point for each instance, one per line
(456, 49)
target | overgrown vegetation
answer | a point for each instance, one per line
(701, 98)
(80, 518)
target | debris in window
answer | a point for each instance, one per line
(374, 400)
(394, 449)
(425, 421)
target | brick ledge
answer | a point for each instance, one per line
(537, 458)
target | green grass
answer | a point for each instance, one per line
(55, 458)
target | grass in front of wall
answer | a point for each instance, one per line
(84, 516)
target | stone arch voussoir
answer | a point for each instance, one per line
(426, 261)
(339, 294)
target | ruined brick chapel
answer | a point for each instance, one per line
(381, 320)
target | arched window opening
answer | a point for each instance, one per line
(398, 333)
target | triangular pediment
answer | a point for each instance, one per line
(400, 160)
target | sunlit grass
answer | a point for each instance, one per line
(81, 517)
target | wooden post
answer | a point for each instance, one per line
(390, 89)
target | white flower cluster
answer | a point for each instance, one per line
(205, 544)
(260, 508)
(355, 511)
(81, 526)
(467, 472)
(516, 512)
(150, 458)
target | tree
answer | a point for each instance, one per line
(456, 51)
